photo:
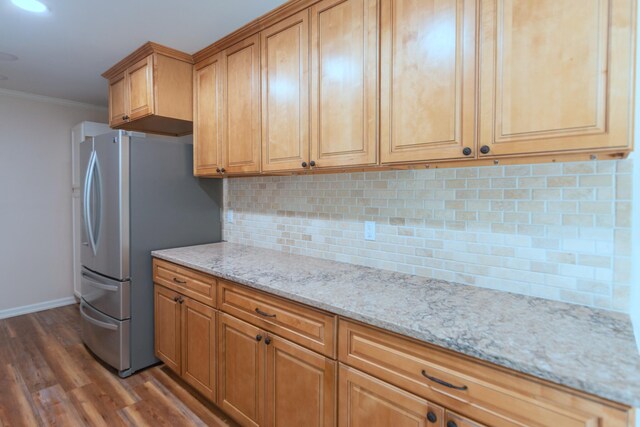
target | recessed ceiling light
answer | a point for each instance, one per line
(3, 77)
(7, 57)
(30, 5)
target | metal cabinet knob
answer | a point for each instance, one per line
(485, 149)
(267, 340)
(304, 164)
(432, 417)
(466, 151)
(312, 163)
(258, 337)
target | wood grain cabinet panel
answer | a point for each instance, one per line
(310, 328)
(428, 68)
(285, 94)
(139, 78)
(167, 336)
(344, 57)
(241, 366)
(185, 338)
(301, 386)
(208, 117)
(242, 106)
(454, 420)
(484, 393)
(117, 100)
(151, 90)
(366, 401)
(555, 75)
(191, 283)
(199, 347)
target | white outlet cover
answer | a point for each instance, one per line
(370, 230)
(230, 216)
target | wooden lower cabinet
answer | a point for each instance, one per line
(167, 327)
(199, 347)
(455, 420)
(185, 339)
(266, 380)
(241, 368)
(366, 401)
(300, 386)
(381, 379)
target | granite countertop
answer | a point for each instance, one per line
(584, 348)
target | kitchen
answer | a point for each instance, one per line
(335, 212)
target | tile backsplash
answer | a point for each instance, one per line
(557, 231)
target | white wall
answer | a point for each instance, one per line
(35, 191)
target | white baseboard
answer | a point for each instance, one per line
(32, 308)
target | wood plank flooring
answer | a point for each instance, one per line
(49, 378)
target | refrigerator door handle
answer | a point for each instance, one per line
(97, 323)
(98, 207)
(99, 285)
(88, 183)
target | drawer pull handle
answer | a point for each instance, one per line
(262, 313)
(182, 282)
(444, 383)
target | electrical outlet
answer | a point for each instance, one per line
(230, 216)
(369, 230)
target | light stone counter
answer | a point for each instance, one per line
(583, 348)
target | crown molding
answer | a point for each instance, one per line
(51, 100)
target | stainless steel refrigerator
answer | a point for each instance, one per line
(139, 194)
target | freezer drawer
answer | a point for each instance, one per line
(107, 338)
(106, 295)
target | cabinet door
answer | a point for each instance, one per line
(555, 75)
(207, 115)
(199, 347)
(241, 371)
(455, 420)
(117, 101)
(139, 79)
(368, 402)
(344, 54)
(167, 327)
(242, 106)
(427, 79)
(285, 94)
(301, 386)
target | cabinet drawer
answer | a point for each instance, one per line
(490, 395)
(303, 325)
(201, 287)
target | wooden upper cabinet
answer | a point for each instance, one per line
(151, 90)
(344, 76)
(139, 78)
(555, 75)
(242, 107)
(117, 101)
(428, 72)
(285, 94)
(208, 117)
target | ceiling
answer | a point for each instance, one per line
(63, 51)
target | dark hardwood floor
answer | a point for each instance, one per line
(48, 377)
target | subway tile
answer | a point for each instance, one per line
(535, 231)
